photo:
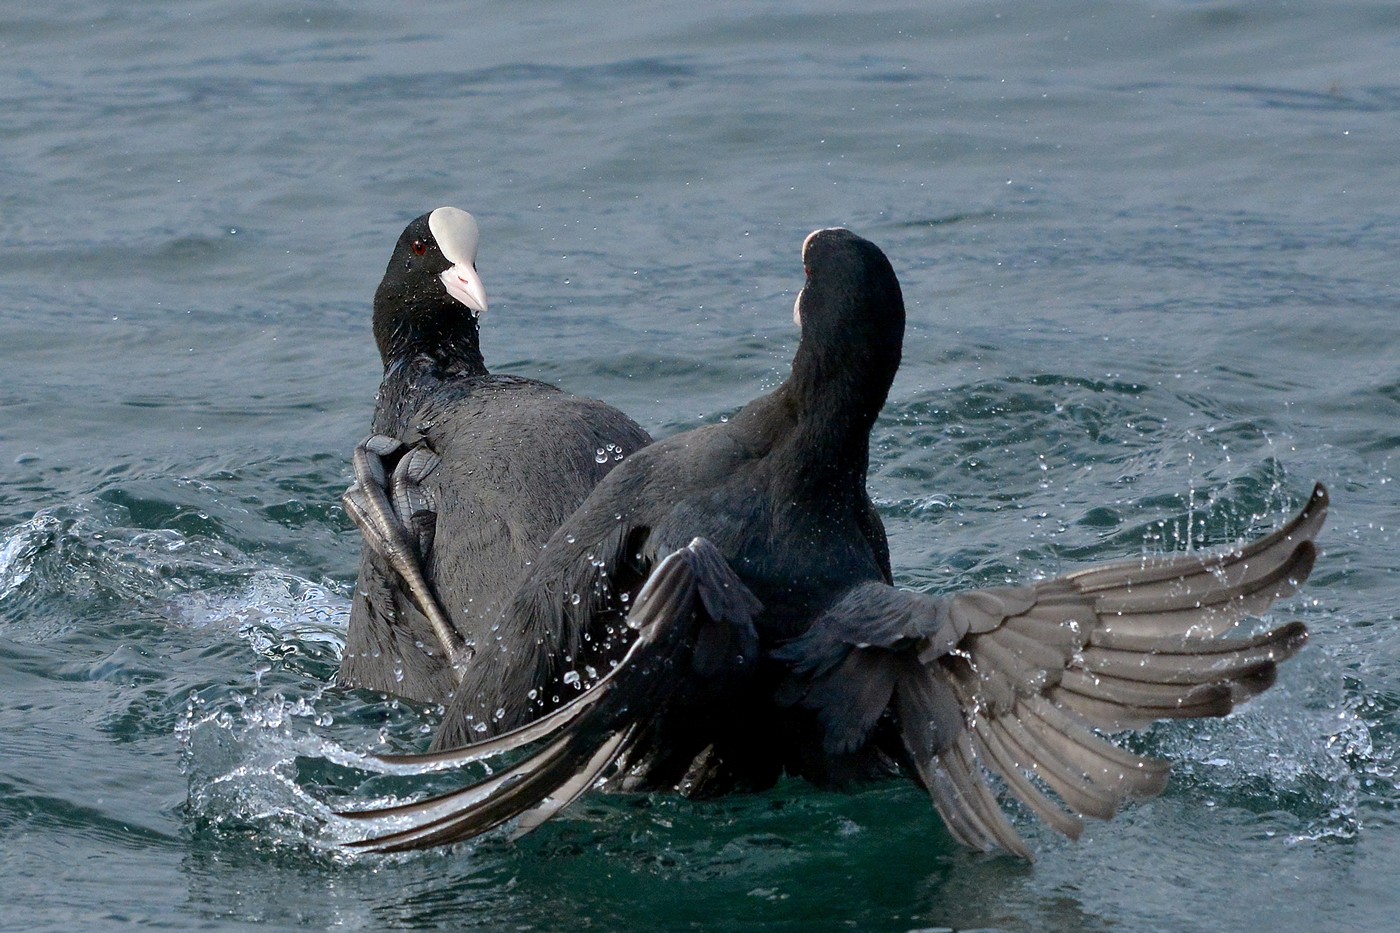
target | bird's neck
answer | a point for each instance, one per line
(832, 416)
(444, 334)
(838, 385)
(444, 356)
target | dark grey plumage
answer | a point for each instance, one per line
(466, 475)
(774, 641)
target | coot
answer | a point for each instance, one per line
(720, 611)
(465, 476)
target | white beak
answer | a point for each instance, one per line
(464, 284)
(457, 236)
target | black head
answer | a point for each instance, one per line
(431, 294)
(851, 312)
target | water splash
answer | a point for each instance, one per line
(282, 616)
(94, 549)
(1302, 749)
(21, 547)
(242, 762)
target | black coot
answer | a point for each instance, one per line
(465, 476)
(749, 562)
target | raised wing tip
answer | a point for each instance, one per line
(1292, 636)
(1316, 505)
(1314, 511)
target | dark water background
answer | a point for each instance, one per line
(1150, 251)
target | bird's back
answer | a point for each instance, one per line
(515, 458)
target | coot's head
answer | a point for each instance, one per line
(851, 312)
(431, 294)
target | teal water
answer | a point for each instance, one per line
(1149, 251)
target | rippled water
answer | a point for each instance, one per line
(1149, 251)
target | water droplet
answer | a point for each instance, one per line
(574, 600)
(571, 678)
(601, 456)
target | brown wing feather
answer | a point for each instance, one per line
(1107, 648)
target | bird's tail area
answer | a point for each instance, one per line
(694, 620)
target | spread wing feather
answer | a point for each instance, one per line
(1030, 676)
(585, 738)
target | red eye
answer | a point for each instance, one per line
(419, 247)
(807, 270)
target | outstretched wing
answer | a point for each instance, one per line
(694, 620)
(1017, 680)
